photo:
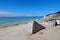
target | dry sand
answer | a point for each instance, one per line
(17, 33)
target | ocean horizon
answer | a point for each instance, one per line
(4, 21)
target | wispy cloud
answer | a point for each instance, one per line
(14, 14)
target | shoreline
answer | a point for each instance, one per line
(13, 25)
(16, 32)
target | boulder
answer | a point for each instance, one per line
(33, 27)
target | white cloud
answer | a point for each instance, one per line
(14, 14)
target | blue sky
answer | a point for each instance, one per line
(28, 7)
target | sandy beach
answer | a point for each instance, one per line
(12, 33)
(17, 33)
(29, 19)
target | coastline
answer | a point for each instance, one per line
(13, 25)
(9, 21)
(16, 32)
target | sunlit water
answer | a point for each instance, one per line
(4, 21)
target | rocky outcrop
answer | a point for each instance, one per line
(50, 19)
(33, 27)
(54, 15)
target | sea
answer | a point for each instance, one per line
(5, 21)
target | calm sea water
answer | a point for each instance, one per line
(4, 21)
